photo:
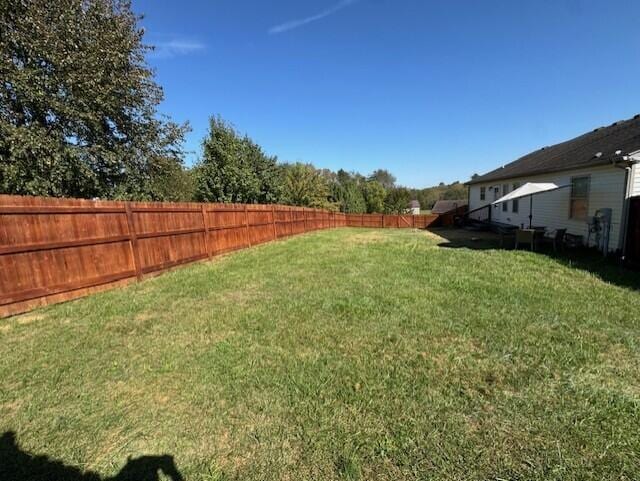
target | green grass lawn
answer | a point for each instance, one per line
(344, 354)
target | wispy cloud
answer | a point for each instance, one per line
(300, 22)
(175, 48)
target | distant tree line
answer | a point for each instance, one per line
(78, 118)
(430, 195)
(233, 168)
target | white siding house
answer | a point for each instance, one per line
(635, 183)
(603, 160)
(551, 209)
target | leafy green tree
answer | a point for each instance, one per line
(397, 201)
(374, 195)
(354, 201)
(266, 172)
(343, 177)
(173, 183)
(78, 103)
(235, 169)
(384, 177)
(304, 185)
(347, 192)
(455, 191)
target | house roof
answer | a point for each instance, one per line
(414, 204)
(444, 206)
(597, 147)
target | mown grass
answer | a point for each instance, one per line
(344, 354)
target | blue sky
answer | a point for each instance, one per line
(430, 90)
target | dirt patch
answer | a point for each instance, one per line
(12, 406)
(615, 371)
(29, 318)
(366, 238)
(143, 316)
(244, 295)
(21, 320)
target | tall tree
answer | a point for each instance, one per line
(235, 169)
(78, 102)
(304, 185)
(374, 195)
(397, 201)
(347, 192)
(354, 201)
(386, 178)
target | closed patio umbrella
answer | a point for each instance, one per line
(529, 190)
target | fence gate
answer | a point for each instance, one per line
(633, 233)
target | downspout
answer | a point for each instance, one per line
(625, 204)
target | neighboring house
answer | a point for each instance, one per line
(414, 207)
(445, 206)
(601, 168)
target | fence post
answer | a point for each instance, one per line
(206, 229)
(304, 217)
(133, 241)
(246, 223)
(273, 218)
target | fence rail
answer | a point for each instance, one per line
(53, 250)
(392, 221)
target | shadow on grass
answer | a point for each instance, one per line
(19, 465)
(607, 269)
(465, 239)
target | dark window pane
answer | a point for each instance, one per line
(580, 187)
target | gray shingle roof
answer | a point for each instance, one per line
(583, 151)
(444, 206)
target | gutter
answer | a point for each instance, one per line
(605, 161)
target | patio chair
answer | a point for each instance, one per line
(526, 236)
(573, 241)
(556, 239)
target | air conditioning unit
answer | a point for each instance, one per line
(600, 229)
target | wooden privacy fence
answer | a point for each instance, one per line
(52, 250)
(393, 221)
